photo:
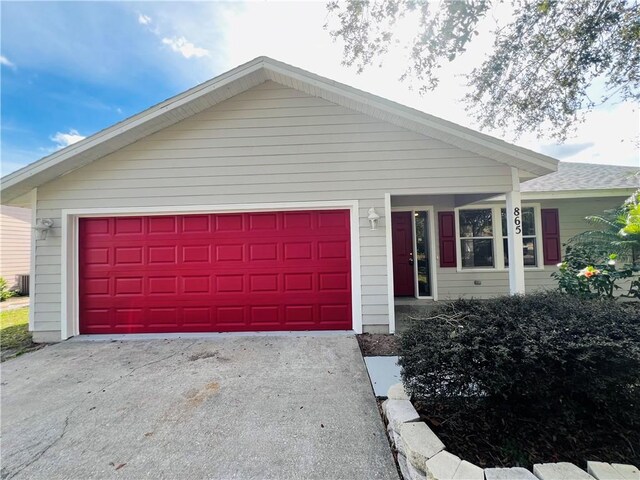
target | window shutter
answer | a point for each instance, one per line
(447, 228)
(551, 236)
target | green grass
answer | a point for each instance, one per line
(14, 331)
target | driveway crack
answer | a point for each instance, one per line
(7, 475)
(128, 374)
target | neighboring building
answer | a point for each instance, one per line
(270, 198)
(15, 244)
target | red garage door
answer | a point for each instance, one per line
(216, 273)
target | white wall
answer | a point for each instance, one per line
(269, 144)
(15, 243)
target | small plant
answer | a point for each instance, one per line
(4, 290)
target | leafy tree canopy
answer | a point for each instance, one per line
(542, 63)
(618, 230)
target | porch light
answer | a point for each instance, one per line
(373, 218)
(43, 225)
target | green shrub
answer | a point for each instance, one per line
(4, 290)
(548, 356)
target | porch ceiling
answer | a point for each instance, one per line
(450, 200)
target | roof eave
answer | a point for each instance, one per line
(17, 183)
(241, 79)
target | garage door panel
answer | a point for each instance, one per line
(197, 317)
(224, 272)
(228, 223)
(195, 224)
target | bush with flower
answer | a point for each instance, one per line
(589, 272)
(598, 261)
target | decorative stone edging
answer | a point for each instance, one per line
(422, 456)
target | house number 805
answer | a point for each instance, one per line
(516, 220)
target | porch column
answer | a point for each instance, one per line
(514, 232)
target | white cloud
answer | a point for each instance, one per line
(65, 139)
(184, 47)
(144, 19)
(6, 62)
(609, 135)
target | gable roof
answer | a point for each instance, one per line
(581, 177)
(243, 78)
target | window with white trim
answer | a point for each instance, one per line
(476, 238)
(483, 239)
(529, 237)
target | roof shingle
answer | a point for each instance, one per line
(585, 176)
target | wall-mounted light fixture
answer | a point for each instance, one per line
(43, 225)
(373, 218)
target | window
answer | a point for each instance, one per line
(529, 241)
(481, 229)
(476, 238)
(422, 253)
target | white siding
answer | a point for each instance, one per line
(572, 212)
(269, 144)
(15, 243)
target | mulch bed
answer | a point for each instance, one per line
(378, 344)
(494, 439)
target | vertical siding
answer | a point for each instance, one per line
(269, 144)
(15, 243)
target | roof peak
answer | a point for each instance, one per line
(249, 75)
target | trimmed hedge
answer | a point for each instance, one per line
(549, 356)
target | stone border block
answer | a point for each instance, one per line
(420, 443)
(397, 392)
(399, 412)
(629, 472)
(468, 471)
(513, 473)
(397, 441)
(442, 466)
(560, 471)
(603, 471)
(404, 466)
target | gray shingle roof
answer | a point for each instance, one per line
(585, 176)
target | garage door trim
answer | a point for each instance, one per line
(70, 242)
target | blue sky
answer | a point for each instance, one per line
(70, 69)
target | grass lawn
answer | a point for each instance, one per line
(15, 337)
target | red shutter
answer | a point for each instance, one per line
(447, 228)
(551, 236)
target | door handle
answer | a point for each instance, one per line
(410, 260)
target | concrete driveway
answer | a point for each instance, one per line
(260, 407)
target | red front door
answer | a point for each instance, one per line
(402, 241)
(216, 273)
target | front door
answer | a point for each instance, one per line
(402, 242)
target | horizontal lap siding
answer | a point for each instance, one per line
(270, 144)
(15, 243)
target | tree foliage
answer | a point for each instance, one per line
(542, 63)
(617, 230)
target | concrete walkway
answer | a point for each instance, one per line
(230, 408)
(14, 303)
